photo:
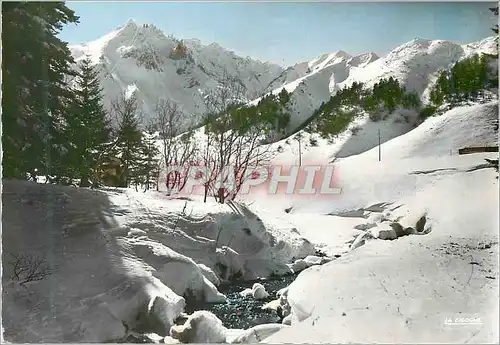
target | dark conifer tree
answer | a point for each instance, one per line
(129, 138)
(35, 93)
(146, 170)
(88, 125)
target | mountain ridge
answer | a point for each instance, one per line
(143, 61)
(157, 66)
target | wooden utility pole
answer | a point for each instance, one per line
(379, 150)
(298, 138)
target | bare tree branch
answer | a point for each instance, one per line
(28, 268)
(230, 149)
(177, 149)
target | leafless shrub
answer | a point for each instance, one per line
(28, 268)
(177, 149)
(228, 148)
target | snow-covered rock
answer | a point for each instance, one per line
(230, 263)
(365, 226)
(311, 260)
(416, 221)
(375, 218)
(281, 291)
(246, 293)
(170, 340)
(384, 231)
(360, 240)
(273, 305)
(177, 271)
(299, 265)
(259, 291)
(200, 327)
(209, 274)
(287, 320)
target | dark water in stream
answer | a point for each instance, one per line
(243, 312)
(238, 312)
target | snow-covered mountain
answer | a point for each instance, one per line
(415, 64)
(142, 60)
(304, 69)
(316, 81)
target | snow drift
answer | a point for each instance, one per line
(95, 290)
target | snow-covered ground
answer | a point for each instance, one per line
(407, 160)
(116, 261)
(121, 260)
(416, 288)
(404, 290)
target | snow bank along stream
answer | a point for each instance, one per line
(120, 264)
(137, 269)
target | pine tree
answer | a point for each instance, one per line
(35, 93)
(129, 138)
(284, 97)
(88, 125)
(146, 170)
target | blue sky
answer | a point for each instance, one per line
(287, 33)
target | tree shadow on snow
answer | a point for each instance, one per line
(62, 267)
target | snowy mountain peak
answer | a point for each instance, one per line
(362, 59)
(342, 54)
(143, 61)
(487, 45)
(131, 23)
(140, 59)
(322, 60)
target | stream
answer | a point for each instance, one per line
(243, 312)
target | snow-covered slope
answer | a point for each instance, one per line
(90, 266)
(141, 58)
(439, 287)
(432, 145)
(416, 63)
(303, 69)
(487, 45)
(313, 82)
